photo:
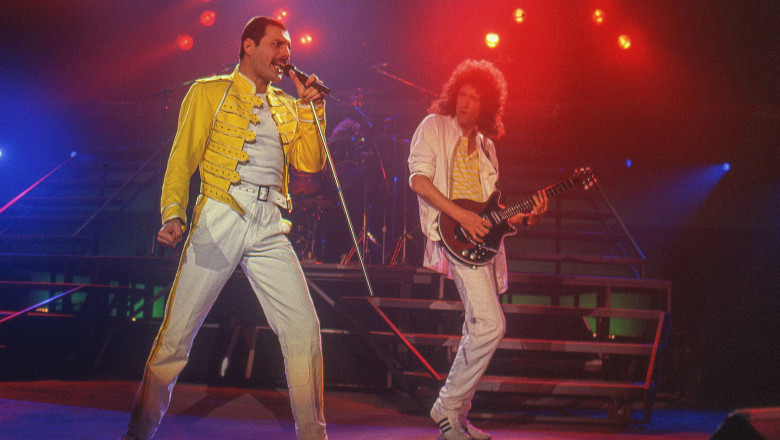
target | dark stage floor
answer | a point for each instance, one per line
(99, 410)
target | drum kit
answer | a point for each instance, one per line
(370, 161)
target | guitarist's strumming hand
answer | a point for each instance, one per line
(473, 224)
(537, 213)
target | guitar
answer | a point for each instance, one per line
(460, 244)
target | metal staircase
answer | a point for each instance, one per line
(76, 205)
(583, 321)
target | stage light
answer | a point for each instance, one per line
(281, 15)
(726, 166)
(184, 41)
(628, 163)
(73, 154)
(1, 153)
(624, 41)
(207, 18)
(306, 39)
(519, 15)
(491, 40)
(598, 16)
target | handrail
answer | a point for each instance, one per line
(51, 284)
(121, 188)
(40, 304)
(623, 226)
(31, 187)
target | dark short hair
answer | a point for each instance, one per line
(255, 29)
(491, 86)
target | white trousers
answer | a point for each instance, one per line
(219, 240)
(483, 329)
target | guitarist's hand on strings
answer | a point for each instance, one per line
(473, 224)
(537, 213)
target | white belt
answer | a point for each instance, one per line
(264, 193)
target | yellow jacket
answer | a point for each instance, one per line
(213, 127)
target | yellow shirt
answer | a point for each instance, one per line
(465, 173)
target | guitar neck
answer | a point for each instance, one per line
(527, 203)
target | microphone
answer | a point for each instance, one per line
(302, 77)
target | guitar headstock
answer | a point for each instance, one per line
(585, 177)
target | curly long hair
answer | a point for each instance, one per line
(491, 86)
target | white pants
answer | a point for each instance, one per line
(483, 329)
(219, 240)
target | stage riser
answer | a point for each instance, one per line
(58, 348)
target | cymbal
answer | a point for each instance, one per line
(356, 97)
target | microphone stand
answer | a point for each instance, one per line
(403, 81)
(341, 198)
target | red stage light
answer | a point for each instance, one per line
(281, 15)
(491, 40)
(624, 41)
(598, 16)
(519, 15)
(184, 42)
(207, 18)
(306, 39)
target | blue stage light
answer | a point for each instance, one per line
(726, 166)
(628, 163)
(73, 154)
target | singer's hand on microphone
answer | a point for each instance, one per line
(306, 93)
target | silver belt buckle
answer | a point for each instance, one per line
(262, 193)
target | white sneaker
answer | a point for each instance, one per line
(449, 426)
(475, 433)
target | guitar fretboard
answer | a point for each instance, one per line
(528, 203)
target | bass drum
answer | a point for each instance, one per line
(304, 183)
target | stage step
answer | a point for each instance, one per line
(555, 387)
(624, 371)
(518, 308)
(634, 349)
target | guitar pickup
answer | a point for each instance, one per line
(488, 248)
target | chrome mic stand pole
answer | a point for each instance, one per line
(341, 198)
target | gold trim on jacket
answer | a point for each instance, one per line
(214, 125)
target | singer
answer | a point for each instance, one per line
(243, 134)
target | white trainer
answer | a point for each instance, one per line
(449, 426)
(475, 432)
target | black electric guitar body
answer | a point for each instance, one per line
(457, 241)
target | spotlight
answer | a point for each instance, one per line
(598, 16)
(207, 18)
(73, 154)
(628, 163)
(184, 41)
(306, 39)
(726, 166)
(519, 15)
(491, 40)
(624, 41)
(281, 15)
(1, 153)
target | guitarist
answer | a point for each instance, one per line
(451, 158)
